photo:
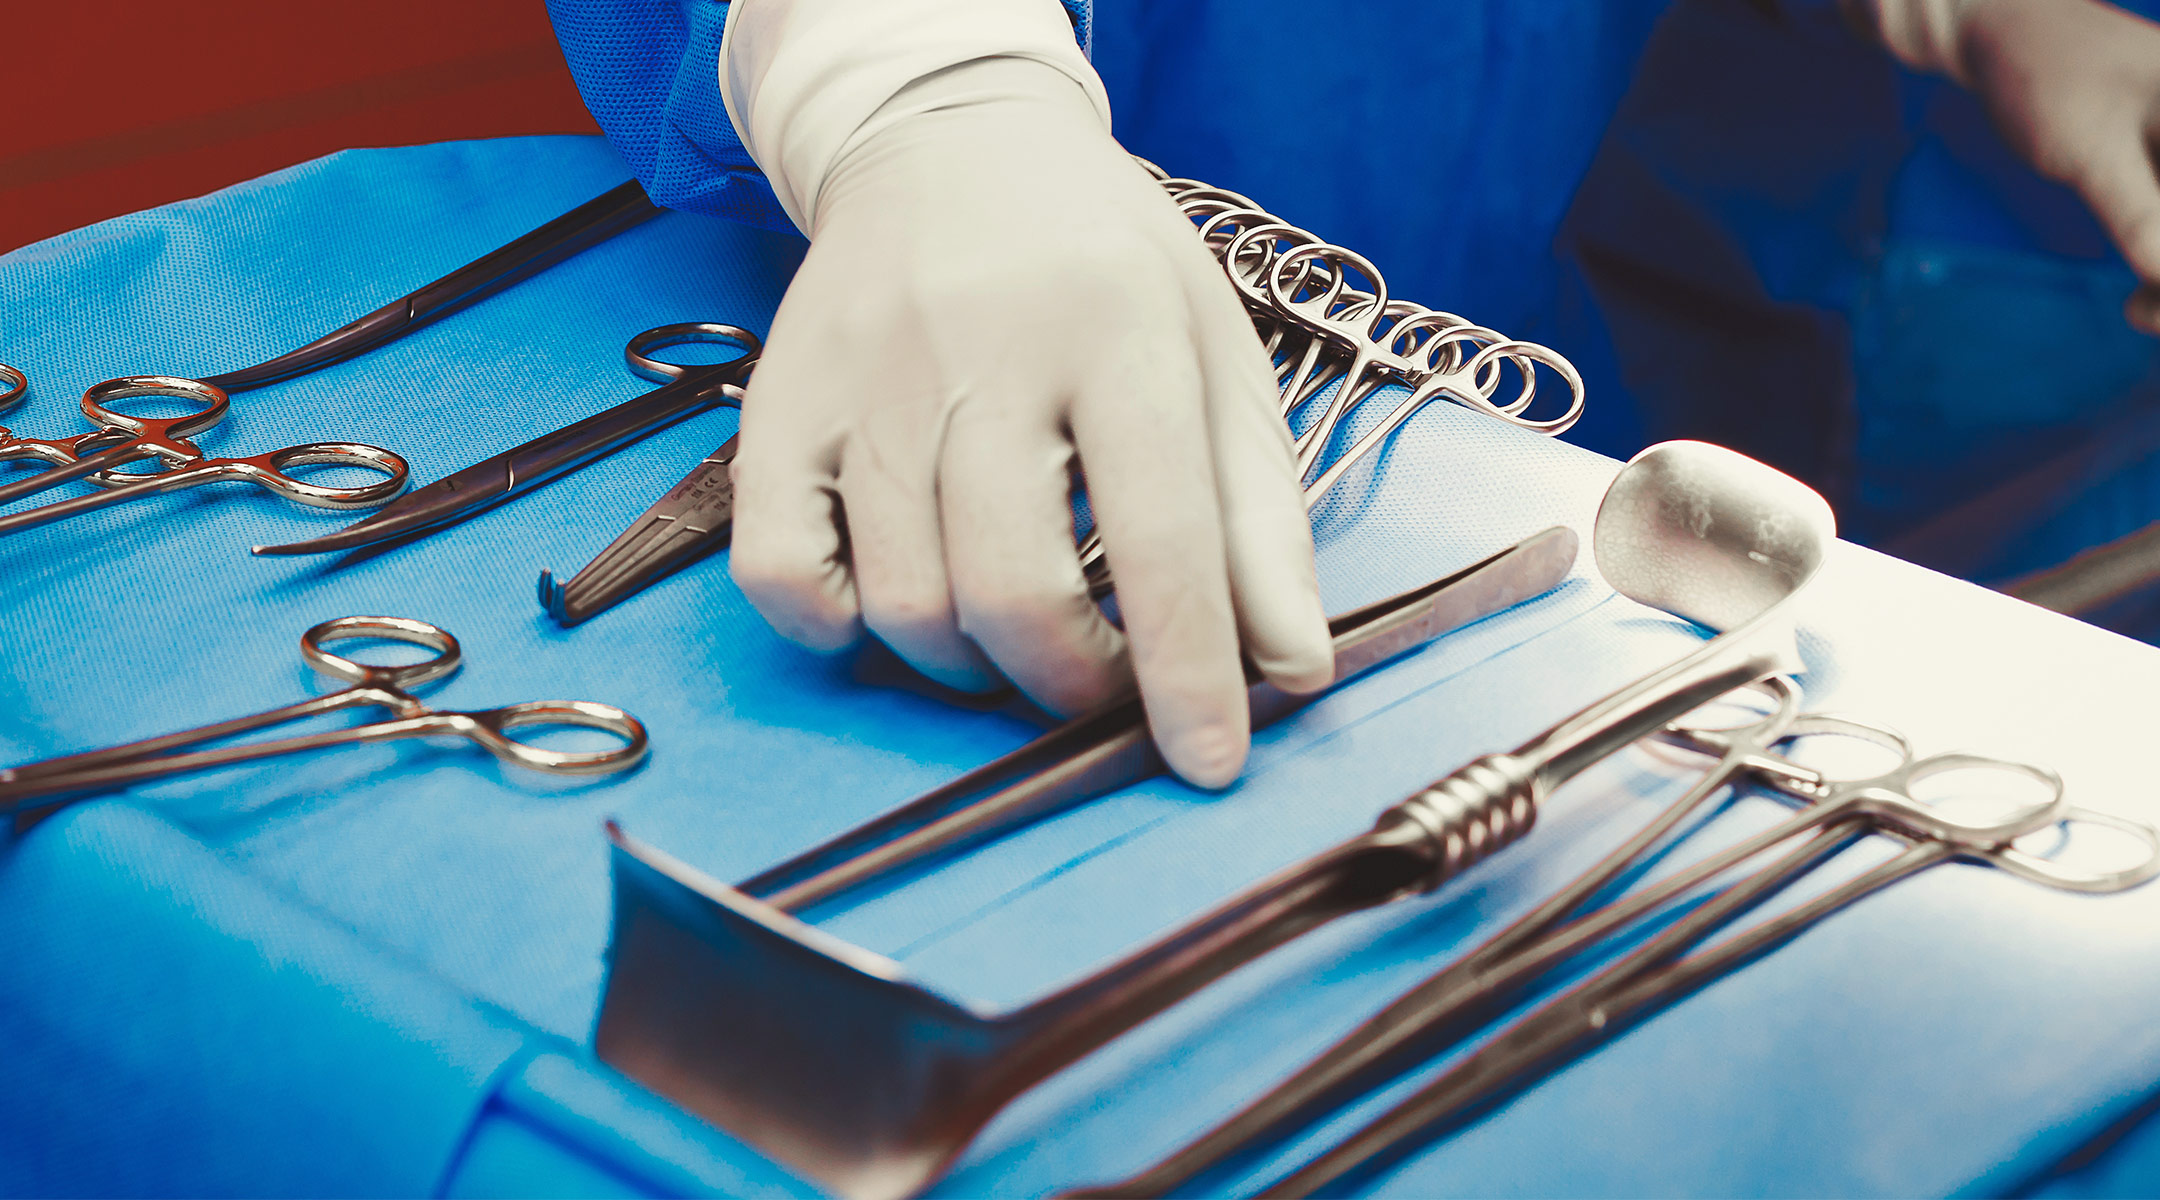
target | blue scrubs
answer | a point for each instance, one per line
(1743, 222)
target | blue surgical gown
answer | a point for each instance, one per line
(1739, 219)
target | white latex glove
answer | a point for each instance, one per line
(2074, 86)
(994, 294)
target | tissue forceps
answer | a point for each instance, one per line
(1456, 1003)
(1460, 1000)
(123, 438)
(1110, 748)
(35, 786)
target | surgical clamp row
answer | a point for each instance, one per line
(1459, 1001)
(1323, 331)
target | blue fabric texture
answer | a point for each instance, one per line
(1716, 208)
(376, 970)
(649, 72)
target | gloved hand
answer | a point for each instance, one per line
(2074, 86)
(995, 295)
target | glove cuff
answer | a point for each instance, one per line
(801, 78)
(1922, 34)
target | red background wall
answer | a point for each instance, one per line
(112, 107)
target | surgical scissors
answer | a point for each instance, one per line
(1460, 1000)
(120, 438)
(684, 390)
(37, 786)
(126, 438)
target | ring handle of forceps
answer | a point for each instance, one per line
(491, 729)
(1784, 722)
(165, 438)
(1483, 368)
(268, 471)
(637, 355)
(1888, 796)
(2038, 868)
(448, 656)
(13, 384)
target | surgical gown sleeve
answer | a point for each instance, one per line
(649, 71)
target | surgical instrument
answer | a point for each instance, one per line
(828, 1058)
(1478, 987)
(590, 223)
(1322, 330)
(1109, 748)
(1294, 285)
(515, 471)
(38, 786)
(1661, 971)
(692, 519)
(122, 438)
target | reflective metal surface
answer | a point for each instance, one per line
(1459, 1002)
(1110, 748)
(516, 471)
(35, 787)
(829, 1059)
(121, 437)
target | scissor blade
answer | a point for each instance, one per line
(581, 228)
(439, 503)
(694, 518)
(514, 472)
(1109, 748)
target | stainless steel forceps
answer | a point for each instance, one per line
(1457, 1003)
(36, 786)
(121, 437)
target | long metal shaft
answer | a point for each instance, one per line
(1600, 1008)
(88, 464)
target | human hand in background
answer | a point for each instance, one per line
(996, 294)
(2074, 87)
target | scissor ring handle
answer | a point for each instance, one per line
(1760, 732)
(1889, 797)
(2044, 870)
(1483, 369)
(1318, 307)
(638, 353)
(16, 384)
(97, 405)
(269, 470)
(491, 728)
(448, 655)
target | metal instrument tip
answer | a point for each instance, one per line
(329, 543)
(554, 598)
